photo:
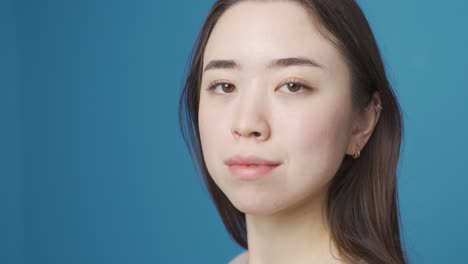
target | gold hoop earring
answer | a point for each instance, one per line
(358, 152)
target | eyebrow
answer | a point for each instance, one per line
(274, 64)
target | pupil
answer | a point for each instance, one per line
(294, 86)
(226, 86)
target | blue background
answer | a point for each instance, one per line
(93, 168)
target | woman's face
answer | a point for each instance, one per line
(257, 113)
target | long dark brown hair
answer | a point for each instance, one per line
(362, 203)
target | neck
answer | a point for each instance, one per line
(295, 235)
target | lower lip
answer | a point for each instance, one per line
(254, 172)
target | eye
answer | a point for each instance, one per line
(225, 86)
(294, 86)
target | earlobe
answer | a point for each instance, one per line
(365, 125)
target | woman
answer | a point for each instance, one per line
(297, 131)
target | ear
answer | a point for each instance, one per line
(364, 123)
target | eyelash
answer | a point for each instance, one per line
(304, 86)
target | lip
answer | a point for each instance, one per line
(250, 167)
(250, 160)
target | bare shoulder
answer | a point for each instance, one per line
(240, 259)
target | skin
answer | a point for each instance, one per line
(308, 131)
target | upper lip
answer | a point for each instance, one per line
(249, 160)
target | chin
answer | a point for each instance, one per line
(256, 204)
(257, 209)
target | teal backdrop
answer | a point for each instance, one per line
(93, 168)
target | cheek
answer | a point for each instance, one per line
(207, 128)
(316, 141)
(212, 126)
(318, 131)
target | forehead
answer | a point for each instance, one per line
(255, 32)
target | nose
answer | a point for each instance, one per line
(251, 117)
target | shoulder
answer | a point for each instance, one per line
(240, 259)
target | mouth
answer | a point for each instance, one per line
(250, 167)
(251, 171)
(250, 160)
